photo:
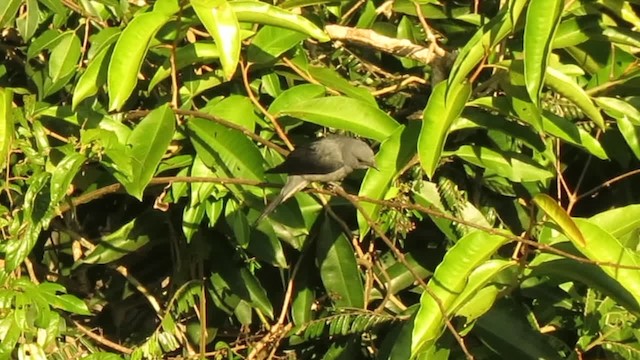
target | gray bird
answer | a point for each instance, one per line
(331, 158)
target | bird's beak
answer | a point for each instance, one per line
(373, 166)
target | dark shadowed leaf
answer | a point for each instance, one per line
(338, 267)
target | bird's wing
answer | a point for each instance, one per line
(318, 157)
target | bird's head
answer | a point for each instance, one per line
(362, 157)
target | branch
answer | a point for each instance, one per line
(400, 47)
(400, 257)
(113, 188)
(219, 120)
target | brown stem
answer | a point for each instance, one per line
(252, 97)
(219, 120)
(400, 256)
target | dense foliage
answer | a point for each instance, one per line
(502, 221)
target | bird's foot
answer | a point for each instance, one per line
(334, 185)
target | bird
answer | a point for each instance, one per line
(328, 159)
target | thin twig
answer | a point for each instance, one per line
(306, 76)
(101, 339)
(433, 41)
(489, 230)
(256, 103)
(143, 290)
(219, 120)
(386, 284)
(345, 18)
(174, 69)
(608, 183)
(400, 256)
(401, 85)
(85, 43)
(385, 203)
(289, 292)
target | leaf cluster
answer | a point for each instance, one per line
(501, 222)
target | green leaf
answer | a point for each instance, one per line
(484, 40)
(631, 134)
(167, 7)
(304, 295)
(521, 104)
(481, 119)
(55, 6)
(265, 245)
(200, 191)
(505, 326)
(12, 332)
(560, 218)
(243, 284)
(235, 108)
(568, 88)
(270, 84)
(128, 55)
(514, 166)
(427, 194)
(621, 223)
(485, 283)
(47, 40)
(219, 18)
(562, 269)
(191, 218)
(35, 204)
(333, 80)
(63, 174)
(574, 31)
(36, 212)
(618, 108)
(288, 4)
(102, 356)
(338, 267)
(601, 246)
(406, 31)
(28, 24)
(65, 302)
(93, 78)
(127, 239)
(345, 113)
(115, 152)
(64, 57)
(437, 118)
(263, 13)
(105, 38)
(228, 152)
(199, 52)
(148, 142)
(194, 85)
(270, 42)
(571, 133)
(622, 10)
(394, 153)
(6, 124)
(8, 10)
(542, 20)
(238, 223)
(400, 277)
(294, 95)
(621, 36)
(447, 283)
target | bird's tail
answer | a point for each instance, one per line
(293, 185)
